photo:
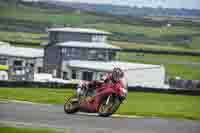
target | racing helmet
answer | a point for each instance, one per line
(117, 74)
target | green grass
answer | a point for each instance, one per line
(138, 103)
(165, 105)
(25, 130)
(184, 71)
(38, 15)
(147, 31)
(170, 58)
(35, 95)
(132, 45)
(22, 37)
(196, 42)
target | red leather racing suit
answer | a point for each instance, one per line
(107, 82)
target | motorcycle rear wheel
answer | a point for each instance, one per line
(71, 106)
(109, 109)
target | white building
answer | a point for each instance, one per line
(22, 62)
(135, 74)
(84, 54)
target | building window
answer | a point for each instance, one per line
(112, 55)
(68, 51)
(73, 52)
(17, 63)
(64, 50)
(39, 69)
(3, 61)
(73, 74)
(101, 56)
(98, 38)
(65, 75)
(54, 37)
(17, 69)
(76, 53)
(92, 55)
(87, 76)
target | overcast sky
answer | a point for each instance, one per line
(191, 4)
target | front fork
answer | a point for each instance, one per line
(108, 99)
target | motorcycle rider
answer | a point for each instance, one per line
(113, 80)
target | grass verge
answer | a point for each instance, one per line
(43, 95)
(25, 130)
(158, 57)
(159, 47)
(22, 37)
(138, 103)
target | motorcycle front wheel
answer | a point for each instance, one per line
(108, 106)
(71, 105)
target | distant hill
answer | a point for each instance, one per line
(126, 10)
(33, 18)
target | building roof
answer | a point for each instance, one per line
(79, 30)
(99, 45)
(108, 66)
(9, 50)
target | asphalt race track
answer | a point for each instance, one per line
(49, 116)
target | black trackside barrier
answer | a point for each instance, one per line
(30, 84)
(182, 53)
(189, 84)
(165, 91)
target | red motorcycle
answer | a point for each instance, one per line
(104, 100)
